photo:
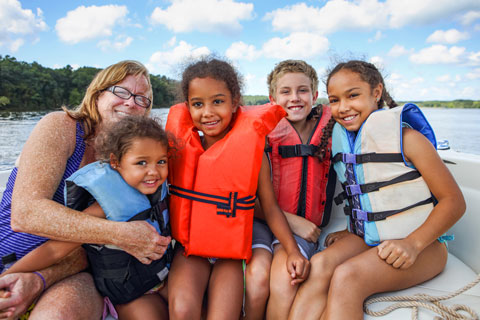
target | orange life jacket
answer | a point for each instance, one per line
(213, 191)
(299, 177)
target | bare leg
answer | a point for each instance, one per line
(323, 264)
(258, 284)
(282, 293)
(187, 283)
(148, 306)
(225, 290)
(363, 275)
(67, 300)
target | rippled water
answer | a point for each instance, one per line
(461, 127)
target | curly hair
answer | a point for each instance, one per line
(217, 69)
(291, 66)
(368, 73)
(119, 136)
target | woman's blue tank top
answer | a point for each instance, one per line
(23, 243)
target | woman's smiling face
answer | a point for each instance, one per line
(352, 99)
(112, 108)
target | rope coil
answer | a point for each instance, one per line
(426, 301)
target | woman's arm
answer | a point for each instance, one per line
(23, 288)
(52, 251)
(42, 165)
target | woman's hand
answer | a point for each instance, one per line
(19, 292)
(298, 267)
(303, 227)
(335, 236)
(141, 240)
(398, 253)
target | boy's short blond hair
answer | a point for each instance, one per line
(291, 66)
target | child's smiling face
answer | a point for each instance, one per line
(144, 166)
(211, 107)
(352, 99)
(293, 91)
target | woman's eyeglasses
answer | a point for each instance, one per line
(123, 93)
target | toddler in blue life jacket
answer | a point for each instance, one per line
(127, 184)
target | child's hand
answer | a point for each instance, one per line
(398, 253)
(335, 236)
(298, 267)
(303, 227)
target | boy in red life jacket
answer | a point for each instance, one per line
(299, 152)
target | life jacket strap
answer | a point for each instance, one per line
(359, 214)
(297, 150)
(367, 157)
(155, 213)
(225, 205)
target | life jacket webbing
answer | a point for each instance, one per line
(225, 205)
(298, 150)
(359, 214)
(356, 189)
(155, 213)
(367, 157)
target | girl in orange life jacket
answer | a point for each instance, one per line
(134, 164)
(211, 89)
(300, 184)
(349, 270)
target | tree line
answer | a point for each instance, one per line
(32, 87)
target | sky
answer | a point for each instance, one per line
(426, 49)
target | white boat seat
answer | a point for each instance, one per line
(455, 276)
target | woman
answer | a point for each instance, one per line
(60, 144)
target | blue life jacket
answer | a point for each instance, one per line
(117, 274)
(387, 197)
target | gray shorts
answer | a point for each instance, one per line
(264, 238)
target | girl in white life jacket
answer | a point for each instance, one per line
(394, 234)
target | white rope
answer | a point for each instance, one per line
(428, 302)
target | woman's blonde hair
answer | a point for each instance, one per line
(87, 111)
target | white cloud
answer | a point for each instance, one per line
(444, 78)
(16, 24)
(474, 58)
(85, 23)
(469, 17)
(167, 62)
(172, 41)
(204, 16)
(404, 12)
(378, 62)
(334, 15)
(378, 35)
(398, 50)
(242, 51)
(364, 14)
(473, 75)
(299, 45)
(449, 37)
(119, 44)
(439, 54)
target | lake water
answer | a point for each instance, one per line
(461, 127)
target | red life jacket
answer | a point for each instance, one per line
(213, 191)
(299, 177)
